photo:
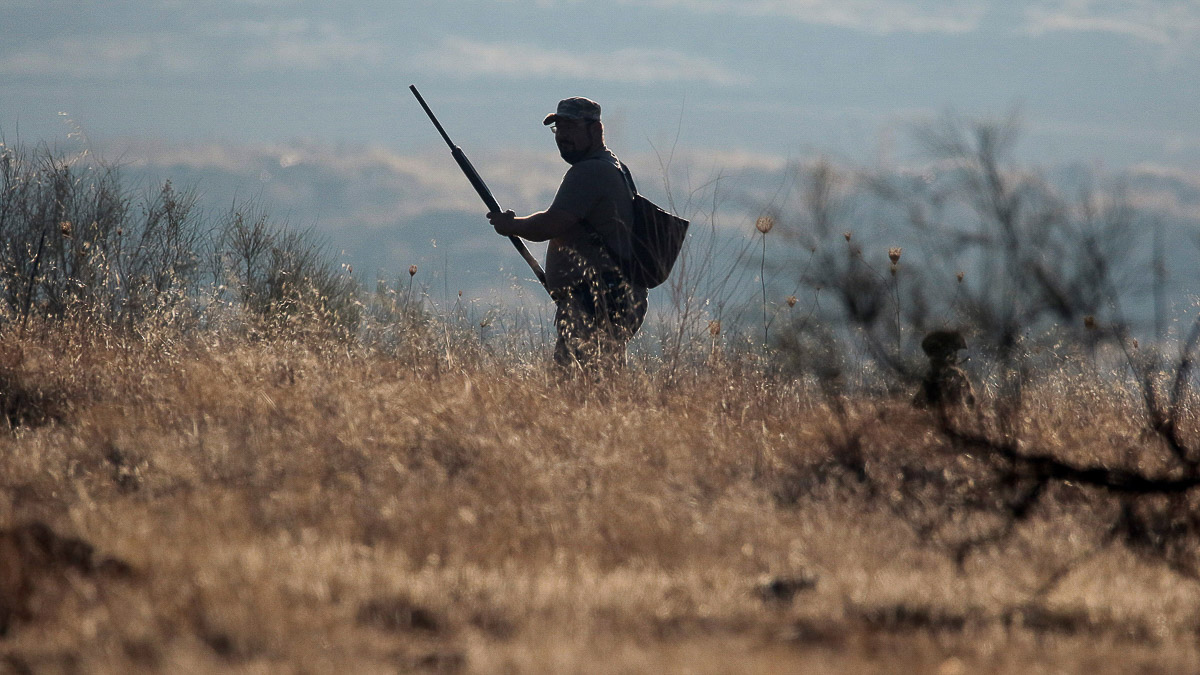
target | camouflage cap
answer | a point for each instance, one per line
(575, 108)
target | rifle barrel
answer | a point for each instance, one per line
(480, 187)
(432, 118)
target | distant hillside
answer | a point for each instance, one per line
(388, 211)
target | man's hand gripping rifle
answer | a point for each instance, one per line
(480, 187)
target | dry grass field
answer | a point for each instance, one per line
(298, 504)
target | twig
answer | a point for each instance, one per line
(37, 260)
(1048, 467)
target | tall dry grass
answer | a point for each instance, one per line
(300, 503)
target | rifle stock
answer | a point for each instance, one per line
(480, 187)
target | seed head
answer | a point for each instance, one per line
(764, 224)
(65, 226)
(894, 254)
(960, 276)
(791, 301)
(846, 234)
(412, 270)
(714, 328)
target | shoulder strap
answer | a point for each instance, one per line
(617, 260)
(628, 177)
(625, 171)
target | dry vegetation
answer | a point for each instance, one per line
(273, 472)
(308, 505)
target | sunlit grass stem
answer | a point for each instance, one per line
(764, 224)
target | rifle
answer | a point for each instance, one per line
(480, 187)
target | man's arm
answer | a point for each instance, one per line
(540, 226)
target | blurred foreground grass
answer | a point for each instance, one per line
(302, 504)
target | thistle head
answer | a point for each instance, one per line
(764, 224)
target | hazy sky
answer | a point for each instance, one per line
(1096, 80)
(306, 103)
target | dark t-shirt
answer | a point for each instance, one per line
(595, 191)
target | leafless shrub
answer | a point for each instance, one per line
(281, 274)
(989, 248)
(59, 219)
(77, 242)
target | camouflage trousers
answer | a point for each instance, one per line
(595, 320)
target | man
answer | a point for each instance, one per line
(598, 310)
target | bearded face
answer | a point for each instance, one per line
(575, 139)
